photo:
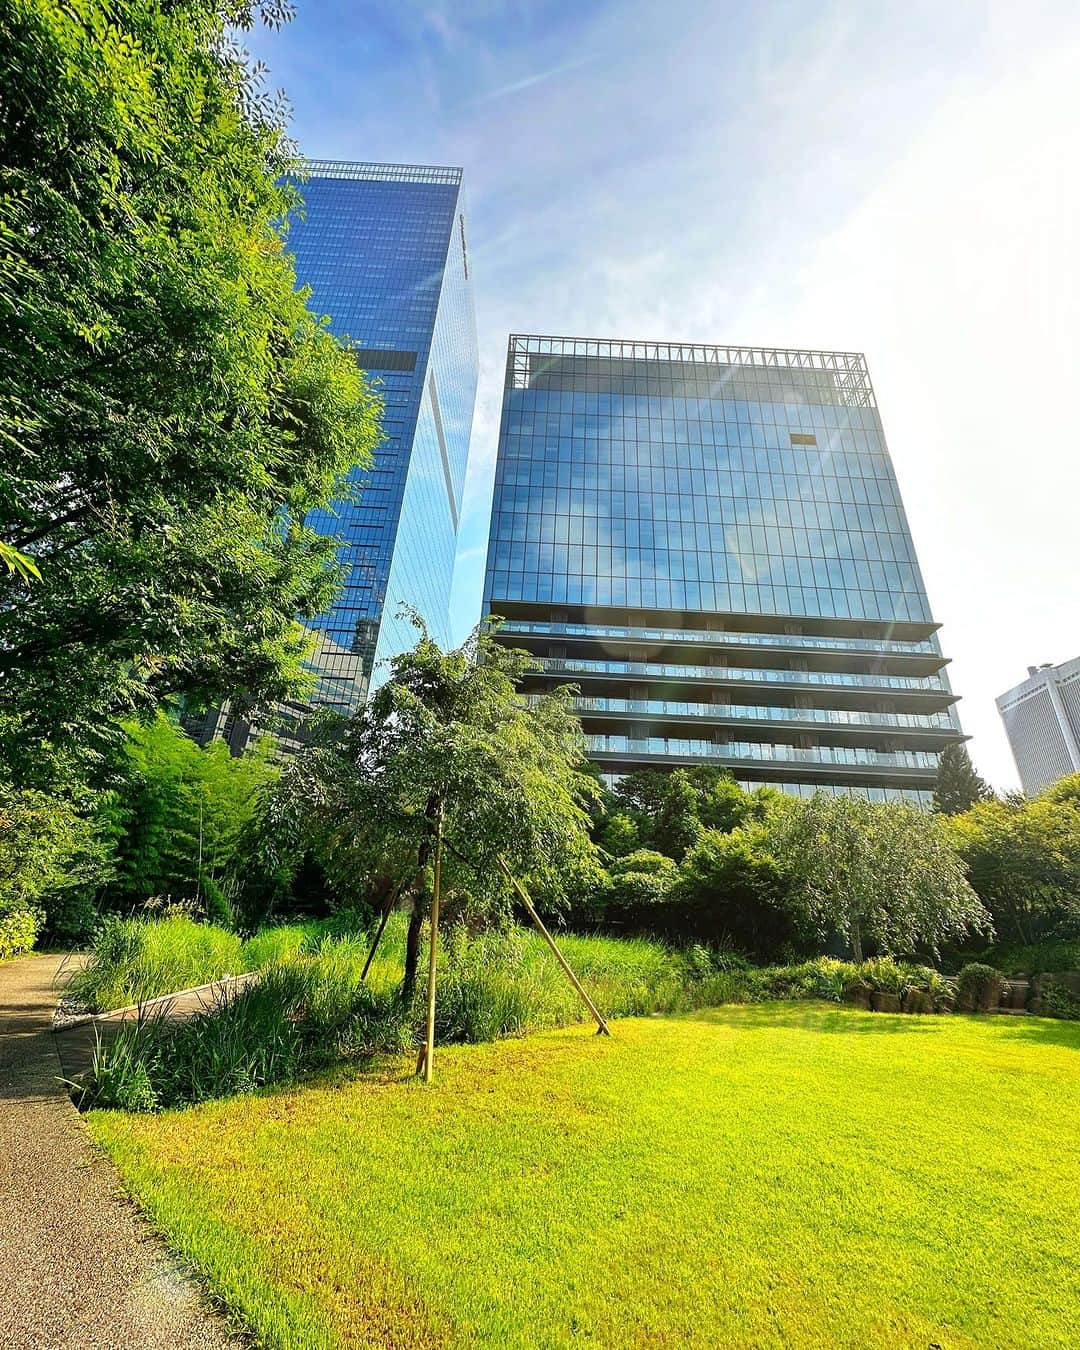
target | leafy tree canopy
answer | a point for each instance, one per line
(882, 873)
(669, 810)
(732, 889)
(1023, 858)
(449, 735)
(170, 410)
(178, 813)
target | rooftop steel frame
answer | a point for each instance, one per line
(391, 173)
(846, 372)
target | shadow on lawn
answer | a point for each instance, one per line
(832, 1018)
(1044, 1031)
(813, 1015)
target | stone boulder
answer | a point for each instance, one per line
(1015, 995)
(918, 1001)
(882, 1002)
(858, 995)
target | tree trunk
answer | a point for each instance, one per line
(856, 940)
(419, 908)
(412, 946)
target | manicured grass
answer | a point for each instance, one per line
(778, 1174)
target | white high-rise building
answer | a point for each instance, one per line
(1042, 721)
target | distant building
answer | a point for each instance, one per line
(384, 249)
(1042, 721)
(710, 542)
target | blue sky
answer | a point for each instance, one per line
(895, 179)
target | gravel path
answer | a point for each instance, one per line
(78, 1267)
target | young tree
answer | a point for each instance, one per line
(640, 880)
(677, 825)
(1023, 858)
(177, 813)
(170, 411)
(881, 873)
(642, 794)
(730, 887)
(49, 854)
(448, 738)
(958, 786)
(618, 834)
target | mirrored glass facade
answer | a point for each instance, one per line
(710, 542)
(385, 252)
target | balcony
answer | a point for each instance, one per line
(725, 638)
(744, 752)
(930, 723)
(652, 670)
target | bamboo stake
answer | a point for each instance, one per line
(427, 1055)
(602, 1028)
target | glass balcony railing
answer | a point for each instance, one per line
(840, 717)
(917, 796)
(727, 639)
(757, 750)
(567, 665)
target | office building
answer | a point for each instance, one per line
(384, 248)
(1042, 722)
(710, 542)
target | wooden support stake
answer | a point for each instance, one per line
(391, 901)
(426, 1063)
(602, 1028)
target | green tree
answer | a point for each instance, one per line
(51, 856)
(178, 813)
(170, 410)
(641, 879)
(731, 887)
(877, 873)
(670, 809)
(677, 825)
(1023, 859)
(449, 736)
(642, 794)
(618, 834)
(958, 786)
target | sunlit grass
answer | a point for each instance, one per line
(767, 1175)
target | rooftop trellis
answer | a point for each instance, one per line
(843, 374)
(387, 173)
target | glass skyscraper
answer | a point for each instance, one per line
(1042, 722)
(384, 249)
(710, 543)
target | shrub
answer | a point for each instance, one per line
(1033, 958)
(641, 879)
(979, 988)
(52, 856)
(729, 884)
(1057, 1001)
(18, 930)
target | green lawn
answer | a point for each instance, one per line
(780, 1174)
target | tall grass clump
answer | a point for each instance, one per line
(304, 1012)
(137, 959)
(133, 960)
(271, 945)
